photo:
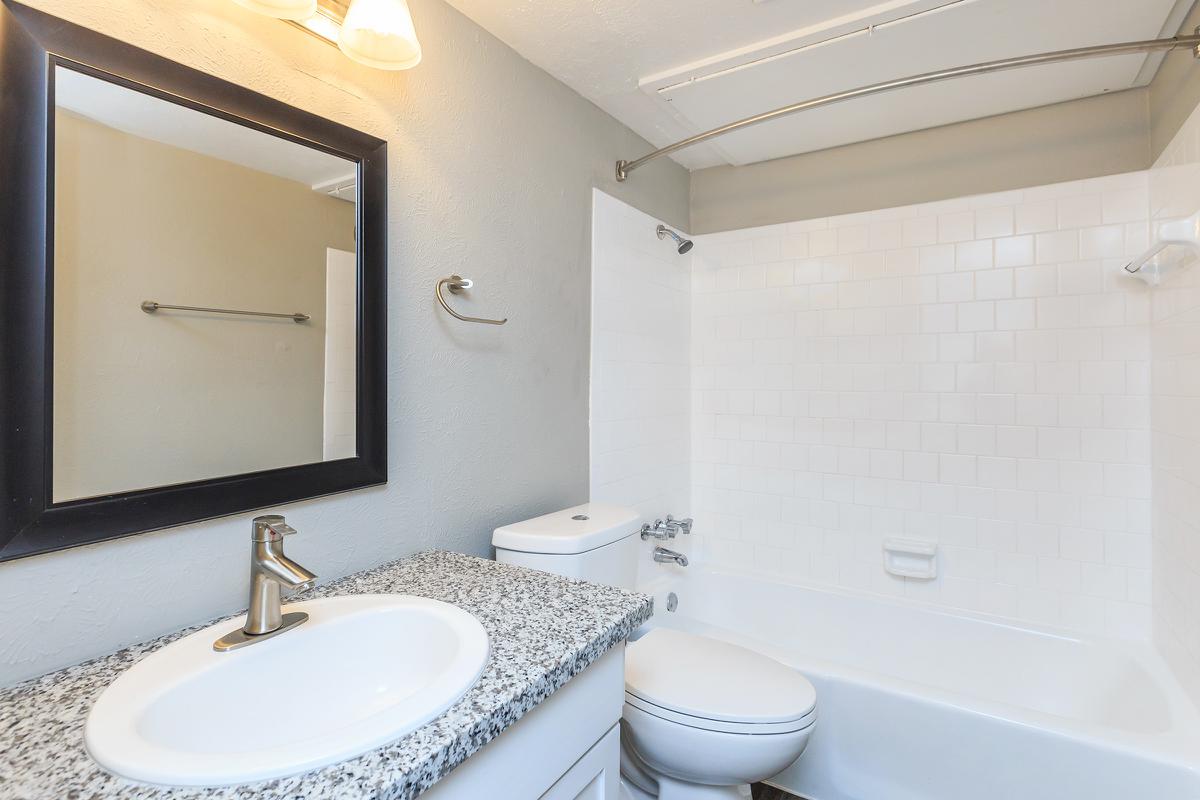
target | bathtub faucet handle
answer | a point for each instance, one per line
(682, 525)
(659, 530)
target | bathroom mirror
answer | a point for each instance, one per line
(194, 301)
(159, 205)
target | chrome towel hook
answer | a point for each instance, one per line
(458, 284)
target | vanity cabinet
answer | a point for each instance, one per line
(566, 748)
(596, 776)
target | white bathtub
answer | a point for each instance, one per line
(919, 704)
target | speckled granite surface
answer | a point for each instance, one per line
(543, 631)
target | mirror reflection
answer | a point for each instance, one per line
(159, 205)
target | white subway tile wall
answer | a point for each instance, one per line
(640, 387)
(973, 372)
(1175, 407)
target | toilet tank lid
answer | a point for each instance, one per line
(573, 530)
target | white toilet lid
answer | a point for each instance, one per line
(710, 679)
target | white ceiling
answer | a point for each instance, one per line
(672, 68)
(151, 118)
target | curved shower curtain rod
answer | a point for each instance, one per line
(1122, 48)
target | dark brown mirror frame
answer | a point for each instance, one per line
(31, 45)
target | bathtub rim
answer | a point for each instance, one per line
(1178, 745)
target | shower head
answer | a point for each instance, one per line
(684, 244)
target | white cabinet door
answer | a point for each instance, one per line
(596, 776)
(549, 743)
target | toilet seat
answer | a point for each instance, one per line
(721, 726)
(716, 686)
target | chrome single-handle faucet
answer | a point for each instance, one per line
(269, 569)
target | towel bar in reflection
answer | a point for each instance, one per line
(150, 306)
(456, 284)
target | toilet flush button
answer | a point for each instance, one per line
(581, 517)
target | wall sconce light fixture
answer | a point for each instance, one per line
(281, 9)
(377, 33)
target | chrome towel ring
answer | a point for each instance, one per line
(457, 284)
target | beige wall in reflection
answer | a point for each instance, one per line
(146, 400)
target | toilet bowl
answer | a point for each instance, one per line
(701, 717)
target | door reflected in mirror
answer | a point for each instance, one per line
(159, 203)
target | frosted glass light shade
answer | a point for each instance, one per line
(283, 9)
(380, 34)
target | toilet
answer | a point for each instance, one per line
(702, 717)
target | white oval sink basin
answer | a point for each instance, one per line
(362, 671)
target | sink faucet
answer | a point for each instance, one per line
(269, 569)
(664, 556)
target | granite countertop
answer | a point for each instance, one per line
(543, 630)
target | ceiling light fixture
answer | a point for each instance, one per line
(377, 33)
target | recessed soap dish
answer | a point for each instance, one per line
(909, 558)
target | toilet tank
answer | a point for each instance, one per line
(593, 542)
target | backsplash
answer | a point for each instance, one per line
(972, 372)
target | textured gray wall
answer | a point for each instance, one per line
(491, 166)
(1083, 138)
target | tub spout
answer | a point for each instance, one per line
(664, 556)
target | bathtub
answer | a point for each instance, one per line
(920, 704)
